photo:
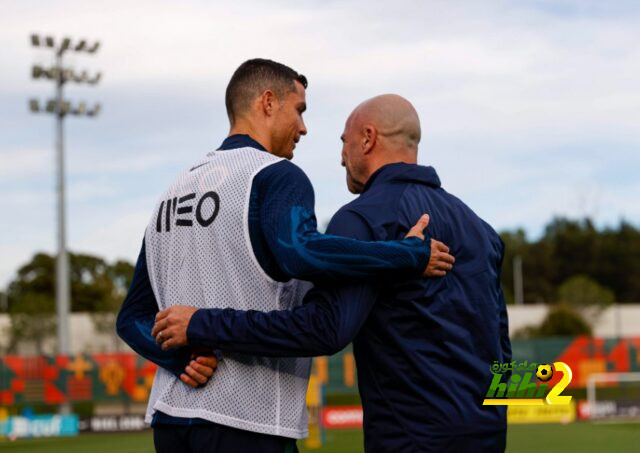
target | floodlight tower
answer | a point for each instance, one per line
(58, 106)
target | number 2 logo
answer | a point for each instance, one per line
(554, 395)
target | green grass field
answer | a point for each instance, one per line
(579, 437)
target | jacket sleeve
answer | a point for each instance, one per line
(288, 226)
(328, 320)
(505, 342)
(136, 319)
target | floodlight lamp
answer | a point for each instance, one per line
(51, 106)
(94, 48)
(49, 40)
(66, 42)
(35, 40)
(67, 74)
(81, 45)
(36, 71)
(51, 73)
(33, 105)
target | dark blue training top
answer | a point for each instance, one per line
(285, 240)
(423, 347)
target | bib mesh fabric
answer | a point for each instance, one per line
(199, 254)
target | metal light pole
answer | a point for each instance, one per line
(60, 108)
(517, 280)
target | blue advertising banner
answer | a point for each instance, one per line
(40, 426)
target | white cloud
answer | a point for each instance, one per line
(115, 237)
(527, 107)
(23, 163)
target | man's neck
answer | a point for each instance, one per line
(396, 158)
(244, 127)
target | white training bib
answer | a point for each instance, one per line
(199, 254)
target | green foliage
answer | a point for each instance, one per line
(610, 258)
(582, 291)
(119, 276)
(561, 321)
(96, 287)
(35, 320)
(3, 301)
(35, 277)
(31, 303)
(92, 288)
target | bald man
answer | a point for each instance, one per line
(423, 347)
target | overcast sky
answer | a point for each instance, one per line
(529, 109)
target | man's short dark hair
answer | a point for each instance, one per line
(254, 77)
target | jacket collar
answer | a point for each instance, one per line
(403, 172)
(240, 141)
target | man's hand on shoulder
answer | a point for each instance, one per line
(170, 328)
(440, 260)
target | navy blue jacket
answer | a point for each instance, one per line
(423, 347)
(285, 240)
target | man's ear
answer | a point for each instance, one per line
(268, 102)
(369, 137)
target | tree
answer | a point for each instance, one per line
(120, 274)
(561, 320)
(4, 305)
(619, 262)
(574, 245)
(32, 304)
(581, 291)
(91, 285)
(536, 257)
(96, 287)
(610, 258)
(34, 322)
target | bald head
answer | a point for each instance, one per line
(380, 131)
(394, 118)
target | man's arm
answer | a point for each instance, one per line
(134, 323)
(284, 235)
(505, 342)
(327, 322)
(329, 319)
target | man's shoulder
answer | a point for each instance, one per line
(379, 205)
(351, 221)
(282, 172)
(354, 209)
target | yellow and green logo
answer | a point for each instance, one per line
(527, 385)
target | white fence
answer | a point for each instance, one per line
(615, 321)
